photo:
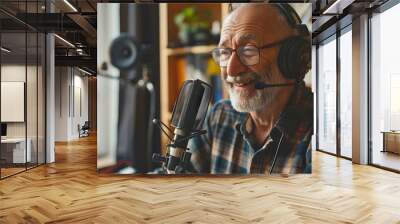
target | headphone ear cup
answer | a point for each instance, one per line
(294, 59)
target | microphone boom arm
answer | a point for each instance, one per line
(261, 85)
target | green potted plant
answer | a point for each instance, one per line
(193, 27)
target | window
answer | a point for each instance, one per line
(22, 77)
(346, 93)
(327, 96)
(385, 89)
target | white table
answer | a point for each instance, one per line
(18, 149)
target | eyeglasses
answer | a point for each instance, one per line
(248, 55)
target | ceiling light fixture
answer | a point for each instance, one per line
(70, 5)
(65, 41)
(331, 7)
(84, 71)
(337, 7)
(5, 50)
(80, 51)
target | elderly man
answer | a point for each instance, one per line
(262, 128)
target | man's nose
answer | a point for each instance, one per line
(235, 66)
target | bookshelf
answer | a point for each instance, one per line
(178, 62)
(201, 49)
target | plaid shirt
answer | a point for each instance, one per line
(228, 148)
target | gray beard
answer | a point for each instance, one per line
(242, 102)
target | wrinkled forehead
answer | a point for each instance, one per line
(241, 30)
(259, 24)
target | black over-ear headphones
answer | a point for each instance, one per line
(294, 58)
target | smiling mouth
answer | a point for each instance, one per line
(243, 84)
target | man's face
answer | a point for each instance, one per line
(253, 25)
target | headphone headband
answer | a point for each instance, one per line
(293, 18)
(290, 14)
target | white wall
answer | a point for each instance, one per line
(107, 90)
(61, 103)
(79, 117)
(33, 126)
(13, 101)
(71, 93)
(12, 73)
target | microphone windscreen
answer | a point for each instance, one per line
(191, 106)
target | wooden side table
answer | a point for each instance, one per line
(391, 141)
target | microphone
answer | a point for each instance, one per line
(261, 85)
(187, 118)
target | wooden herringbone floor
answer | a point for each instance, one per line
(70, 191)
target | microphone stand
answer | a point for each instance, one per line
(187, 118)
(176, 160)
